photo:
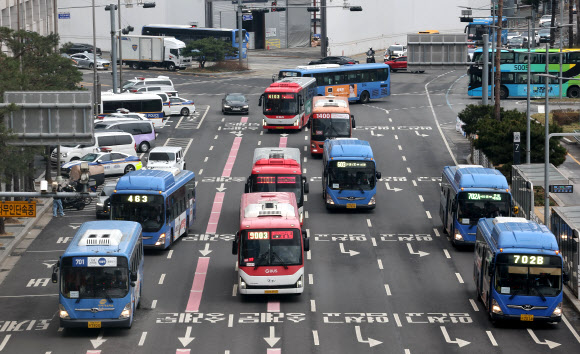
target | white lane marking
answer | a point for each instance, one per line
(236, 267)
(404, 158)
(169, 254)
(459, 278)
(202, 118)
(305, 148)
(309, 255)
(312, 305)
(474, 305)
(305, 198)
(153, 304)
(426, 211)
(315, 336)
(211, 148)
(260, 142)
(161, 279)
(369, 223)
(304, 170)
(206, 158)
(421, 198)
(388, 289)
(187, 147)
(200, 171)
(380, 262)
(397, 320)
(414, 183)
(215, 137)
(407, 351)
(435, 117)
(306, 159)
(306, 214)
(142, 339)
(235, 290)
(219, 128)
(231, 320)
(374, 241)
(400, 147)
(223, 119)
(179, 122)
(3, 344)
(436, 232)
(491, 338)
(396, 137)
(310, 279)
(390, 120)
(261, 132)
(409, 169)
(574, 333)
(447, 253)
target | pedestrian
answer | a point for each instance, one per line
(57, 209)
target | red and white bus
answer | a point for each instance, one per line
(270, 245)
(278, 170)
(331, 119)
(287, 104)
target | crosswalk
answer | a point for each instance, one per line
(193, 121)
(184, 143)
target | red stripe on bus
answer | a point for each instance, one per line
(198, 284)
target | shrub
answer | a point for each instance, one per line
(565, 116)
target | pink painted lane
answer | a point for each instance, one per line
(198, 284)
(232, 157)
(283, 142)
(93, 352)
(273, 306)
(244, 120)
(274, 351)
(183, 351)
(216, 211)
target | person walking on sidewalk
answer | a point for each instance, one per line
(57, 208)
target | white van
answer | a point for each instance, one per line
(133, 85)
(165, 158)
(118, 141)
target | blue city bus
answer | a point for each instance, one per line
(349, 179)
(480, 26)
(163, 202)
(468, 193)
(514, 73)
(101, 275)
(518, 270)
(358, 82)
(188, 34)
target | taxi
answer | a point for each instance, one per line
(180, 106)
(114, 163)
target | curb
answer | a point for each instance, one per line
(24, 231)
(573, 299)
(223, 73)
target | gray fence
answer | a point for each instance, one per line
(523, 194)
(564, 224)
(479, 158)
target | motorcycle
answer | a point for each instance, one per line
(371, 56)
(73, 202)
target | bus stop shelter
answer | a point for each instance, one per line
(565, 224)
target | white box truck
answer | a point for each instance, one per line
(142, 52)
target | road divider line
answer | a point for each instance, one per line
(435, 117)
(142, 339)
(428, 214)
(421, 198)
(219, 128)
(436, 232)
(396, 137)
(414, 183)
(388, 289)
(309, 255)
(235, 290)
(215, 137)
(211, 148)
(397, 320)
(369, 224)
(459, 278)
(306, 137)
(474, 305)
(380, 262)
(312, 305)
(202, 118)
(400, 147)
(374, 241)
(409, 169)
(206, 158)
(161, 279)
(153, 304)
(259, 142)
(407, 351)
(404, 158)
(169, 254)
(306, 214)
(273, 306)
(447, 253)
(310, 279)
(315, 337)
(198, 283)
(491, 338)
(231, 320)
(574, 333)
(305, 198)
(200, 172)
(232, 157)
(216, 210)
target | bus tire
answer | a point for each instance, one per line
(394, 70)
(135, 65)
(365, 97)
(503, 92)
(573, 92)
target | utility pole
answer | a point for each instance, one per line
(113, 48)
(120, 47)
(323, 33)
(240, 34)
(497, 78)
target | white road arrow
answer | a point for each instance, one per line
(97, 342)
(373, 133)
(271, 340)
(392, 189)
(549, 343)
(188, 338)
(370, 341)
(206, 250)
(420, 253)
(421, 135)
(459, 342)
(49, 265)
(3, 344)
(351, 252)
(74, 227)
(284, 135)
(221, 188)
(237, 133)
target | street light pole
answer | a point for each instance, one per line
(485, 73)
(528, 118)
(113, 48)
(240, 35)
(546, 140)
(120, 47)
(323, 32)
(95, 78)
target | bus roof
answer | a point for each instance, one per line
(346, 67)
(269, 210)
(330, 102)
(486, 21)
(348, 147)
(517, 233)
(110, 96)
(290, 84)
(151, 180)
(475, 176)
(277, 153)
(104, 238)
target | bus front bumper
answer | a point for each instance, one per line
(293, 123)
(352, 206)
(504, 317)
(103, 322)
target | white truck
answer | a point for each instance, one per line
(142, 52)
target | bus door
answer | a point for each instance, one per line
(451, 211)
(486, 275)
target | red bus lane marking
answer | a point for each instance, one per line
(274, 351)
(198, 283)
(244, 120)
(216, 210)
(283, 142)
(273, 306)
(232, 157)
(183, 351)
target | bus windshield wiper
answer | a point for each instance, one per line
(539, 293)
(514, 294)
(106, 291)
(281, 260)
(260, 259)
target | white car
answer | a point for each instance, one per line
(165, 158)
(180, 106)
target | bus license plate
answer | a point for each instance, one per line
(350, 205)
(270, 291)
(94, 324)
(279, 127)
(528, 318)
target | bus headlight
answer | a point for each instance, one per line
(300, 282)
(161, 240)
(242, 283)
(372, 201)
(100, 204)
(126, 313)
(263, 122)
(329, 199)
(296, 123)
(458, 236)
(557, 311)
(301, 218)
(63, 313)
(495, 307)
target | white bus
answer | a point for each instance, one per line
(149, 104)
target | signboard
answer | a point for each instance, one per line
(64, 15)
(247, 17)
(9, 209)
(561, 188)
(271, 32)
(437, 51)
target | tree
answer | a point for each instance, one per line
(208, 48)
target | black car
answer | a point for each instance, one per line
(103, 208)
(340, 60)
(81, 48)
(544, 35)
(516, 42)
(234, 103)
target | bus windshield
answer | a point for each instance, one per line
(330, 128)
(94, 282)
(475, 205)
(476, 32)
(271, 248)
(351, 175)
(278, 183)
(142, 208)
(528, 275)
(281, 103)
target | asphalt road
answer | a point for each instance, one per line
(383, 281)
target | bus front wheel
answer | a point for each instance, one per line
(365, 97)
(574, 92)
(503, 92)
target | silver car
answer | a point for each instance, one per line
(103, 207)
(87, 60)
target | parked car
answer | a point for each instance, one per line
(544, 35)
(235, 103)
(103, 207)
(395, 51)
(120, 141)
(169, 90)
(87, 60)
(81, 48)
(511, 35)
(181, 106)
(113, 162)
(516, 42)
(340, 60)
(535, 38)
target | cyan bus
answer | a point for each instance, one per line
(468, 193)
(518, 270)
(101, 275)
(349, 179)
(163, 202)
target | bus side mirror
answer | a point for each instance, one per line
(133, 277)
(274, 77)
(54, 276)
(235, 244)
(516, 209)
(378, 174)
(306, 241)
(260, 100)
(565, 277)
(353, 123)
(490, 271)
(454, 206)
(247, 186)
(305, 183)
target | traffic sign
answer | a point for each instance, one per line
(561, 188)
(64, 15)
(18, 209)
(247, 17)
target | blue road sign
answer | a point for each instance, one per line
(64, 15)
(247, 17)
